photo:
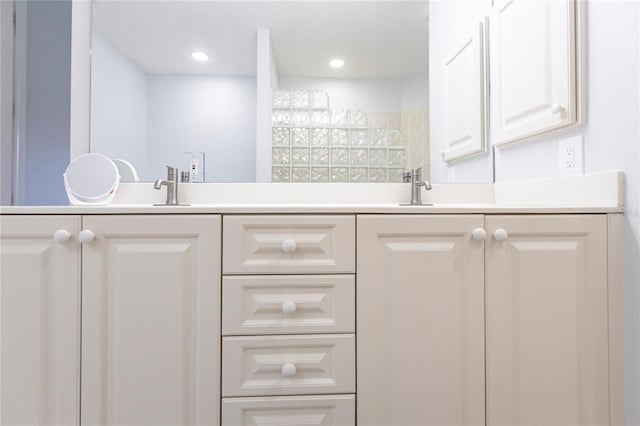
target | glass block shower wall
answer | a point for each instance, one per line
(314, 143)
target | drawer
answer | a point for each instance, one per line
(321, 410)
(288, 365)
(288, 244)
(279, 304)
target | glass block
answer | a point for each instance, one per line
(339, 174)
(319, 174)
(378, 137)
(358, 119)
(359, 157)
(280, 99)
(395, 175)
(280, 156)
(300, 155)
(378, 174)
(339, 137)
(280, 117)
(319, 99)
(359, 175)
(299, 99)
(280, 136)
(397, 157)
(299, 174)
(320, 118)
(378, 157)
(320, 156)
(280, 174)
(339, 157)
(395, 138)
(339, 118)
(320, 137)
(359, 138)
(299, 136)
(300, 118)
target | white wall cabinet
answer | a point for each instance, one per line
(40, 334)
(535, 77)
(151, 320)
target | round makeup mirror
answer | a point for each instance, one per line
(91, 179)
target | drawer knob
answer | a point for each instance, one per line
(289, 246)
(86, 236)
(288, 370)
(479, 234)
(61, 236)
(500, 234)
(289, 308)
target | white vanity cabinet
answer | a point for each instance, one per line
(40, 320)
(420, 299)
(535, 67)
(288, 320)
(151, 320)
(547, 320)
(430, 288)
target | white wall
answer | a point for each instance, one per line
(214, 115)
(6, 102)
(118, 106)
(450, 24)
(367, 94)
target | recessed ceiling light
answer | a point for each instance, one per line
(199, 56)
(336, 63)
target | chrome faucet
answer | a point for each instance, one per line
(172, 187)
(416, 186)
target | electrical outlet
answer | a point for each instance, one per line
(570, 156)
(194, 164)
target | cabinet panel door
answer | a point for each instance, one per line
(40, 335)
(151, 320)
(533, 67)
(420, 320)
(546, 295)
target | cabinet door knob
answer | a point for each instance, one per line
(61, 236)
(556, 109)
(289, 308)
(289, 246)
(479, 234)
(500, 234)
(289, 370)
(86, 236)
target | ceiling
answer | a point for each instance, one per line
(376, 39)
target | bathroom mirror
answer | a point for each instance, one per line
(175, 82)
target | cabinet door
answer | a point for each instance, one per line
(40, 334)
(420, 321)
(151, 320)
(546, 295)
(533, 67)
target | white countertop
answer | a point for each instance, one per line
(307, 208)
(597, 193)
